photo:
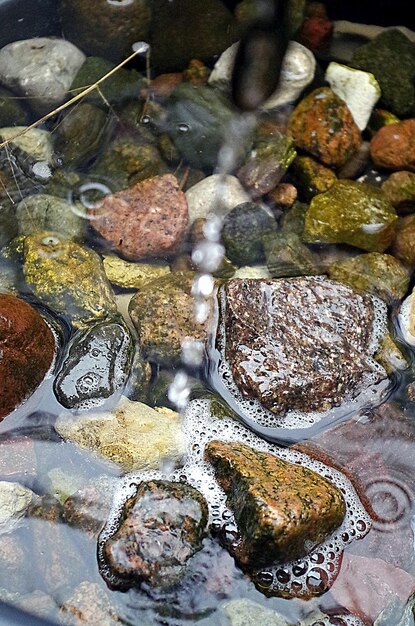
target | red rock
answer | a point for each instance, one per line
(27, 347)
(393, 146)
(316, 32)
(146, 220)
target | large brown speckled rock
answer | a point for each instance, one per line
(27, 347)
(299, 343)
(280, 507)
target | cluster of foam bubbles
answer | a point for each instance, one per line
(336, 620)
(371, 391)
(311, 575)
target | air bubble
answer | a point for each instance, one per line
(360, 526)
(317, 580)
(265, 579)
(299, 569)
(140, 47)
(283, 576)
(183, 128)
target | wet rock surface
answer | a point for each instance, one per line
(163, 526)
(242, 232)
(46, 212)
(89, 604)
(14, 504)
(27, 348)
(392, 146)
(281, 509)
(287, 337)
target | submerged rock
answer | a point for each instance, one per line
(67, 277)
(311, 177)
(245, 612)
(399, 189)
(132, 275)
(97, 365)
(213, 193)
(45, 212)
(162, 527)
(403, 246)
(242, 232)
(351, 212)
(392, 147)
(89, 507)
(27, 348)
(301, 344)
(14, 504)
(88, 604)
(134, 436)
(282, 510)
(286, 255)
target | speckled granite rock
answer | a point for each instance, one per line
(280, 508)
(299, 344)
(162, 527)
(392, 147)
(88, 604)
(147, 220)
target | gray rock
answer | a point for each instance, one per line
(215, 193)
(14, 502)
(45, 212)
(41, 68)
(245, 612)
(243, 229)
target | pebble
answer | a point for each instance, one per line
(46, 212)
(214, 194)
(132, 275)
(392, 147)
(399, 188)
(245, 612)
(14, 503)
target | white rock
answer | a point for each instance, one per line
(37, 143)
(406, 319)
(14, 502)
(215, 194)
(41, 68)
(360, 90)
(252, 271)
(221, 74)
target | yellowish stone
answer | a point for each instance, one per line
(132, 275)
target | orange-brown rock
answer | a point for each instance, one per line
(27, 347)
(393, 146)
(322, 125)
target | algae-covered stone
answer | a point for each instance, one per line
(281, 509)
(266, 164)
(293, 220)
(171, 516)
(46, 212)
(134, 436)
(198, 123)
(287, 256)
(380, 274)
(353, 213)
(132, 275)
(399, 189)
(390, 356)
(96, 366)
(403, 246)
(311, 177)
(163, 314)
(35, 142)
(322, 125)
(391, 58)
(380, 118)
(67, 277)
(242, 232)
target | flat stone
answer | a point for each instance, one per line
(299, 344)
(245, 612)
(281, 509)
(147, 220)
(132, 275)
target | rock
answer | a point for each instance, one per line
(162, 312)
(276, 326)
(406, 319)
(11, 110)
(36, 143)
(266, 164)
(380, 118)
(39, 604)
(287, 256)
(322, 125)
(89, 507)
(45, 212)
(162, 526)
(88, 604)
(27, 348)
(311, 177)
(198, 122)
(41, 69)
(390, 356)
(281, 509)
(67, 277)
(293, 220)
(17, 459)
(358, 164)
(242, 232)
(13, 555)
(213, 194)
(134, 436)
(146, 220)
(106, 29)
(399, 188)
(360, 90)
(391, 58)
(245, 612)
(257, 271)
(392, 146)
(353, 213)
(14, 503)
(380, 274)
(316, 32)
(96, 365)
(282, 197)
(132, 275)
(197, 29)
(403, 246)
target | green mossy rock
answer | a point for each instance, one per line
(311, 177)
(293, 220)
(380, 274)
(287, 256)
(353, 213)
(243, 230)
(391, 58)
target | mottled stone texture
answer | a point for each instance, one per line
(300, 343)
(279, 507)
(162, 527)
(27, 346)
(392, 147)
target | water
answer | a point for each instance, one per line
(369, 457)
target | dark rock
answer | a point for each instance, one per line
(243, 230)
(392, 146)
(27, 347)
(281, 509)
(162, 527)
(286, 256)
(299, 344)
(96, 366)
(12, 112)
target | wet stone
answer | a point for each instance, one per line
(212, 192)
(132, 275)
(299, 344)
(14, 504)
(311, 177)
(97, 365)
(13, 556)
(245, 612)
(392, 147)
(286, 256)
(46, 212)
(399, 188)
(403, 246)
(281, 509)
(242, 232)
(89, 507)
(162, 527)
(11, 110)
(67, 277)
(27, 348)
(88, 604)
